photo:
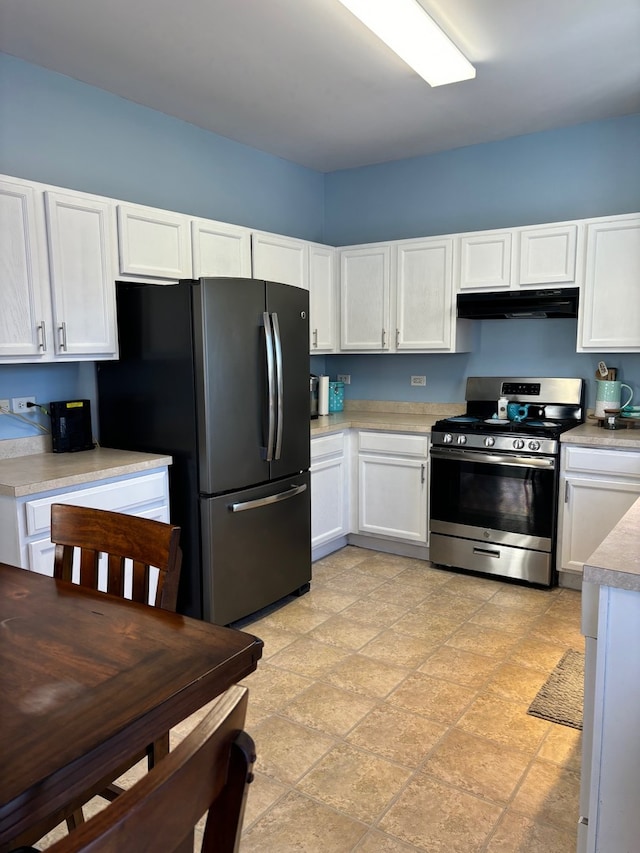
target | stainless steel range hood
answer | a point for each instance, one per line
(519, 304)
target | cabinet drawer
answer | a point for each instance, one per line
(327, 445)
(403, 444)
(591, 461)
(119, 496)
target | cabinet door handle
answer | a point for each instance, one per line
(384, 337)
(422, 473)
(397, 338)
(42, 336)
(566, 491)
(315, 337)
(62, 335)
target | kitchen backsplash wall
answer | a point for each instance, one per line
(500, 347)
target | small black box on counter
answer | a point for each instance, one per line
(70, 425)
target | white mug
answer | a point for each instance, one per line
(609, 395)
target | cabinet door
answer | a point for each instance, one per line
(591, 510)
(485, 261)
(610, 301)
(220, 249)
(364, 298)
(548, 255)
(424, 310)
(392, 498)
(280, 259)
(322, 299)
(153, 243)
(25, 318)
(329, 510)
(81, 237)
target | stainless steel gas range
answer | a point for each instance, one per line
(494, 479)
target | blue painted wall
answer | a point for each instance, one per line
(577, 172)
(59, 131)
(573, 173)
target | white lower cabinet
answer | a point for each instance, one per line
(25, 522)
(611, 752)
(597, 487)
(329, 492)
(392, 485)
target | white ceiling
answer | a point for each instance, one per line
(304, 80)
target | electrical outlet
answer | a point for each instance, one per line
(4, 406)
(344, 377)
(418, 380)
(19, 405)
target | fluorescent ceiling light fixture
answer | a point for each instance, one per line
(406, 28)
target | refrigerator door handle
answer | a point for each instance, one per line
(277, 342)
(271, 387)
(270, 499)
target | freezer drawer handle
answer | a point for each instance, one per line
(270, 499)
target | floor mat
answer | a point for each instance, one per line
(561, 697)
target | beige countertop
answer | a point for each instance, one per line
(386, 416)
(40, 472)
(616, 561)
(589, 433)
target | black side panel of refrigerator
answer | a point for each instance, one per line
(147, 403)
(230, 382)
(291, 305)
(258, 547)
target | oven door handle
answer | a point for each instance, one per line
(492, 458)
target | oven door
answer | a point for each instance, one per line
(495, 497)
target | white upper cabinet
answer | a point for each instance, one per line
(365, 286)
(536, 256)
(153, 243)
(220, 249)
(548, 254)
(25, 316)
(282, 259)
(81, 238)
(322, 299)
(485, 260)
(609, 313)
(425, 304)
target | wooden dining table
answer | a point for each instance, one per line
(88, 680)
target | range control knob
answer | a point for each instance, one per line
(447, 438)
(489, 441)
(462, 439)
(534, 445)
(518, 444)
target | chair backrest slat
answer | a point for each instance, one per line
(143, 541)
(207, 773)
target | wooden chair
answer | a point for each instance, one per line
(144, 542)
(207, 773)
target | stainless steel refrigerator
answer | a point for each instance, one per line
(216, 373)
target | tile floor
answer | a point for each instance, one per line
(389, 714)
